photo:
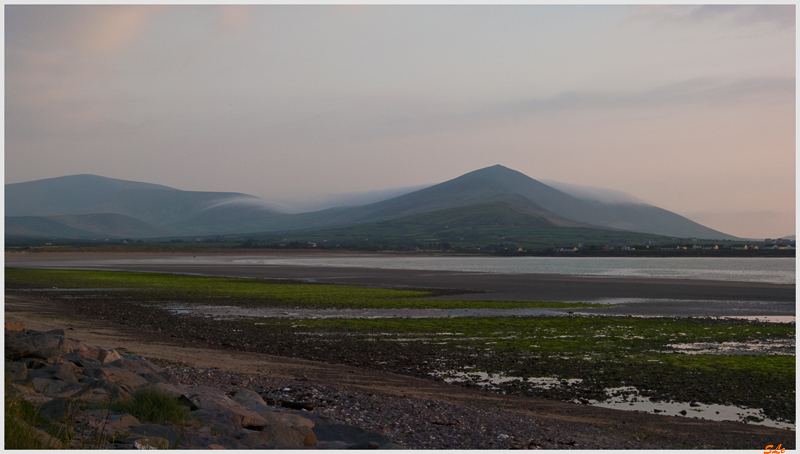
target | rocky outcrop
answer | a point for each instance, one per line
(73, 386)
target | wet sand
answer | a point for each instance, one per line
(634, 296)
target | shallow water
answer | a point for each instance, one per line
(774, 270)
(626, 398)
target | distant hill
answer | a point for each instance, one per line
(86, 203)
(80, 205)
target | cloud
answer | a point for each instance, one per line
(694, 91)
(92, 30)
(594, 193)
(778, 16)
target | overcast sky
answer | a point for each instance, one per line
(690, 108)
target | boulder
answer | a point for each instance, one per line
(211, 399)
(93, 396)
(135, 364)
(28, 394)
(38, 345)
(249, 399)
(353, 436)
(14, 326)
(51, 387)
(104, 355)
(284, 431)
(106, 422)
(61, 372)
(111, 376)
(151, 443)
(17, 370)
(216, 421)
(156, 430)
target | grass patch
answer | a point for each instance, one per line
(20, 419)
(152, 405)
(250, 292)
(557, 334)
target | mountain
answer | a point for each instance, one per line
(489, 196)
(501, 184)
(141, 209)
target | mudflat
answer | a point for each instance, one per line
(482, 286)
(548, 424)
(553, 422)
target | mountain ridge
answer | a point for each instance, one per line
(174, 212)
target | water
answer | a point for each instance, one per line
(626, 398)
(772, 270)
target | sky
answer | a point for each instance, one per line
(690, 108)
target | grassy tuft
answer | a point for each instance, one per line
(20, 418)
(152, 405)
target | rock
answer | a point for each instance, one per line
(61, 372)
(55, 388)
(151, 443)
(156, 430)
(348, 434)
(104, 355)
(17, 370)
(287, 430)
(14, 326)
(153, 378)
(298, 405)
(212, 399)
(279, 436)
(110, 376)
(248, 399)
(77, 346)
(166, 388)
(136, 364)
(93, 396)
(38, 345)
(216, 421)
(59, 410)
(28, 394)
(109, 423)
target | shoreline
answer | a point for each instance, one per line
(555, 424)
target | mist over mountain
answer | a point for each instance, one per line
(346, 199)
(81, 206)
(611, 196)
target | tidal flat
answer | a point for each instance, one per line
(640, 358)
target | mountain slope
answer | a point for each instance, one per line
(152, 204)
(493, 183)
(155, 210)
(81, 226)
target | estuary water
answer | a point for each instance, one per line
(772, 270)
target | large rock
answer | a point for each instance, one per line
(284, 431)
(17, 370)
(211, 399)
(38, 345)
(136, 364)
(104, 355)
(55, 388)
(106, 422)
(14, 326)
(61, 372)
(353, 436)
(109, 376)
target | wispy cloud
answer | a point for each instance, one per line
(695, 91)
(780, 16)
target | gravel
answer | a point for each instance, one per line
(413, 423)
